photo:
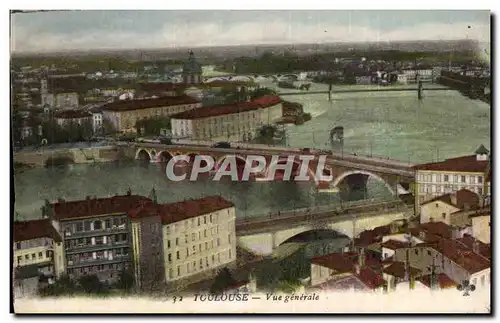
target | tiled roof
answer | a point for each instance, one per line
(370, 278)
(394, 244)
(128, 105)
(72, 114)
(460, 254)
(34, 229)
(397, 269)
(175, 212)
(457, 164)
(340, 262)
(90, 207)
(375, 235)
(484, 248)
(463, 197)
(214, 111)
(443, 280)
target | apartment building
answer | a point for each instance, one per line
(38, 252)
(451, 175)
(238, 121)
(124, 114)
(197, 236)
(95, 233)
(79, 117)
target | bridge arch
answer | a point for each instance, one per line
(310, 172)
(244, 78)
(344, 175)
(215, 78)
(143, 154)
(316, 234)
(164, 156)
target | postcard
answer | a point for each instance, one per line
(251, 161)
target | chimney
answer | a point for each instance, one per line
(475, 246)
(361, 258)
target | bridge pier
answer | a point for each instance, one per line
(354, 187)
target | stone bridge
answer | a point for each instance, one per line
(264, 234)
(346, 172)
(256, 77)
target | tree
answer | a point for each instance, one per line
(222, 281)
(257, 93)
(267, 132)
(91, 284)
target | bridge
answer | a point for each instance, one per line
(256, 77)
(263, 235)
(419, 89)
(348, 172)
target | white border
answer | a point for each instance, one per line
(186, 4)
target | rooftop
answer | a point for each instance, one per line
(343, 262)
(467, 164)
(72, 114)
(394, 244)
(175, 212)
(215, 111)
(443, 280)
(35, 229)
(138, 104)
(460, 199)
(92, 207)
(397, 269)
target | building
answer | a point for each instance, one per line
(38, 254)
(67, 117)
(448, 176)
(183, 241)
(125, 114)
(481, 225)
(447, 208)
(347, 270)
(97, 126)
(96, 234)
(238, 121)
(192, 70)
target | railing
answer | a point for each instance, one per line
(95, 247)
(97, 261)
(95, 232)
(320, 209)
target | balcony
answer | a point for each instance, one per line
(98, 261)
(96, 247)
(95, 233)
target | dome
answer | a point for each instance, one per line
(191, 66)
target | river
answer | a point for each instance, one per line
(395, 124)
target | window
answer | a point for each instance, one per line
(205, 233)
(170, 273)
(210, 218)
(48, 253)
(218, 242)
(480, 179)
(40, 255)
(186, 238)
(107, 223)
(416, 252)
(193, 236)
(19, 259)
(446, 178)
(79, 226)
(206, 245)
(178, 255)
(443, 215)
(480, 190)
(199, 247)
(198, 221)
(194, 250)
(204, 219)
(169, 257)
(187, 267)
(176, 241)
(213, 258)
(18, 245)
(33, 255)
(97, 225)
(178, 270)
(86, 226)
(201, 263)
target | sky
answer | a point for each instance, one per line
(111, 29)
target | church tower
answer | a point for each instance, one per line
(191, 71)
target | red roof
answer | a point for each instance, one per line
(443, 280)
(463, 197)
(128, 105)
(92, 207)
(175, 212)
(397, 269)
(394, 244)
(346, 261)
(484, 248)
(73, 114)
(370, 278)
(375, 235)
(34, 229)
(214, 111)
(462, 255)
(458, 164)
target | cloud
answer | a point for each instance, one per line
(26, 39)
